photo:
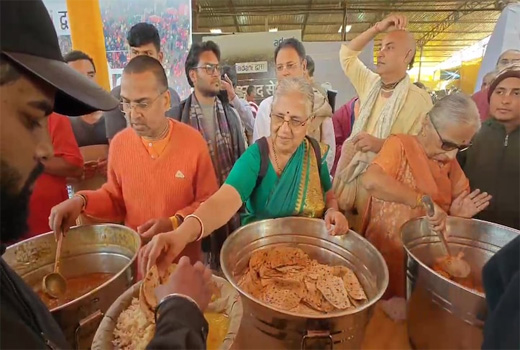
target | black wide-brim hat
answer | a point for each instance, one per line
(28, 38)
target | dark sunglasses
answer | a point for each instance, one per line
(448, 145)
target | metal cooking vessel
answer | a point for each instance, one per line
(269, 328)
(441, 313)
(105, 248)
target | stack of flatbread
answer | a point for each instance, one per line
(288, 279)
(135, 326)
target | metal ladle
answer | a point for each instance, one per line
(54, 284)
(454, 265)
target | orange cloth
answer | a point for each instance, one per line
(156, 148)
(140, 188)
(50, 190)
(403, 158)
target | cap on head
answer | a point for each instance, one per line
(28, 38)
(512, 71)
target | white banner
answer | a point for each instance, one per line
(58, 12)
(251, 67)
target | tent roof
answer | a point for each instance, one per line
(441, 27)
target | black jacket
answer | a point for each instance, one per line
(501, 278)
(492, 164)
(26, 323)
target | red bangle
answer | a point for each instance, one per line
(201, 235)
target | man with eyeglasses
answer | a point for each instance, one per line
(389, 104)
(290, 60)
(493, 162)
(143, 39)
(480, 97)
(208, 111)
(158, 168)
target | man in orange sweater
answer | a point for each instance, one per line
(158, 168)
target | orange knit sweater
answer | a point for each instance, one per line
(140, 188)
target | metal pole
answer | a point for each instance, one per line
(343, 28)
(420, 64)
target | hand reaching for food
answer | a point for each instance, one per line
(162, 250)
(336, 222)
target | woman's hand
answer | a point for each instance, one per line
(438, 220)
(336, 218)
(162, 250)
(153, 227)
(467, 205)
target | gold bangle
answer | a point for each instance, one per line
(174, 221)
(418, 200)
(84, 201)
(201, 225)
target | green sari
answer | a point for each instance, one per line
(299, 191)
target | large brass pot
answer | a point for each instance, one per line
(268, 328)
(441, 313)
(106, 248)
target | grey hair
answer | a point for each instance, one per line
(455, 109)
(299, 85)
(507, 52)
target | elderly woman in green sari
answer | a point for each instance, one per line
(283, 175)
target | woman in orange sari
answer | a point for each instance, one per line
(408, 167)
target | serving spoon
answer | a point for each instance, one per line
(454, 265)
(54, 284)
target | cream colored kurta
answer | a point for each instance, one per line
(417, 103)
(408, 121)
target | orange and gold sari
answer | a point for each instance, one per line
(403, 158)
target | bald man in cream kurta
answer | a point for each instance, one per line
(379, 119)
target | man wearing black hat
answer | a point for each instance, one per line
(34, 82)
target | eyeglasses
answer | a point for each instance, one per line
(447, 145)
(290, 66)
(125, 107)
(210, 68)
(292, 122)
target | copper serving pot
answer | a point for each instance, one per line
(106, 248)
(268, 328)
(441, 313)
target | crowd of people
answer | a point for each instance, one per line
(172, 20)
(184, 174)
